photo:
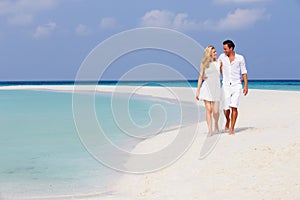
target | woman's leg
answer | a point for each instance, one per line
(216, 114)
(208, 107)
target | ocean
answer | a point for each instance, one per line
(41, 152)
(289, 85)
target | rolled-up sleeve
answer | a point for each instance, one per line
(243, 65)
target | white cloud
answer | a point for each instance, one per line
(238, 1)
(14, 10)
(239, 19)
(168, 19)
(108, 23)
(83, 30)
(158, 18)
(44, 31)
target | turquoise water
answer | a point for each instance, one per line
(41, 153)
(291, 85)
(288, 85)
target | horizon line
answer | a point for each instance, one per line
(99, 81)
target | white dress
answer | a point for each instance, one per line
(211, 88)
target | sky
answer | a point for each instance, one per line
(50, 39)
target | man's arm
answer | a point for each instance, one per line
(244, 74)
(245, 91)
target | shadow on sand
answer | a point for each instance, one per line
(211, 142)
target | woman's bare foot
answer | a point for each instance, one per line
(217, 129)
(231, 131)
(209, 134)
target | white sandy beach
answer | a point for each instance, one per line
(261, 161)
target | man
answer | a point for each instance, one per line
(233, 65)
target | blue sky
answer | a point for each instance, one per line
(49, 39)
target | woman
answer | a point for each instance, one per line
(210, 92)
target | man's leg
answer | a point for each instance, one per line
(227, 114)
(234, 103)
(226, 102)
(234, 114)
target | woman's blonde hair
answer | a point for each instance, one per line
(207, 57)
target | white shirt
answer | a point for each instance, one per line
(232, 71)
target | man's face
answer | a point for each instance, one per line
(227, 50)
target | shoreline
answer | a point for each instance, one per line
(261, 161)
(160, 93)
(107, 89)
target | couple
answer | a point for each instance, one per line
(231, 65)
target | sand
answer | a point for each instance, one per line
(261, 161)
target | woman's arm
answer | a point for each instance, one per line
(199, 82)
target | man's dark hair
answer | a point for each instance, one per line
(229, 44)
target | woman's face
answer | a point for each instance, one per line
(213, 54)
